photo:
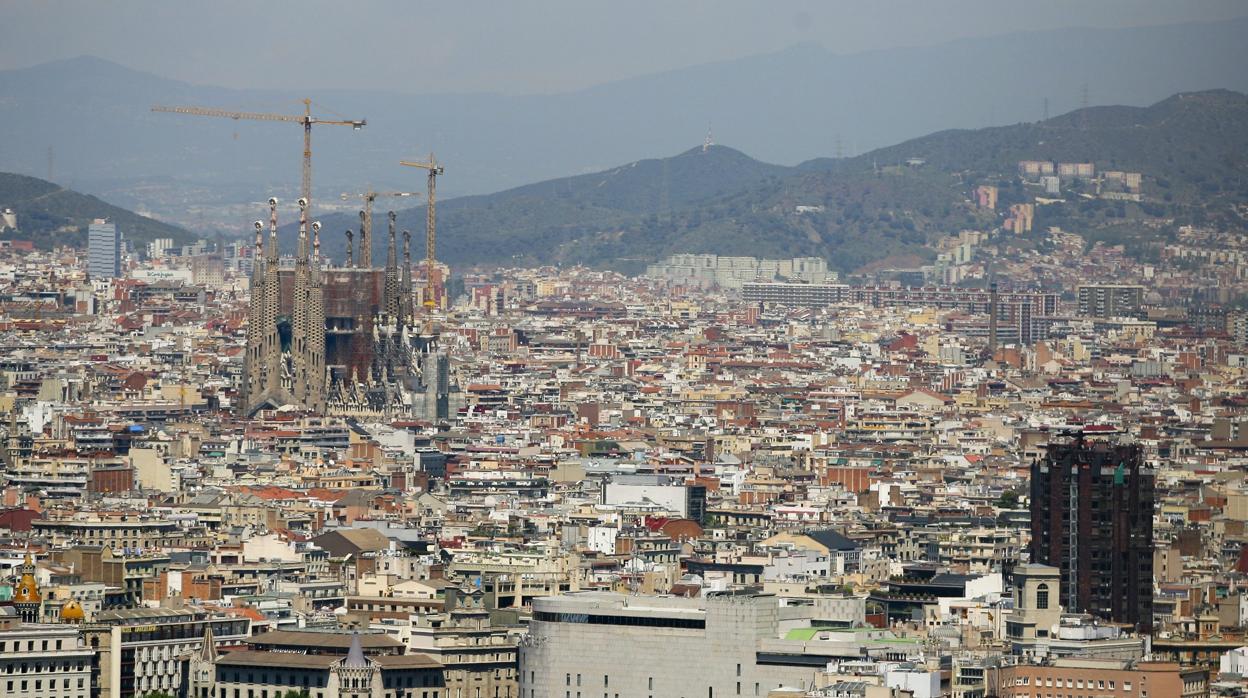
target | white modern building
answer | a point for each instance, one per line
(724, 644)
(734, 272)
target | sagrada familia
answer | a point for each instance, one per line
(338, 340)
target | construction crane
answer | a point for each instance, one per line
(306, 119)
(366, 221)
(431, 235)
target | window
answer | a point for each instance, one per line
(1042, 595)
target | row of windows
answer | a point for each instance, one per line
(642, 621)
(317, 679)
(31, 646)
(36, 667)
(1049, 682)
(10, 686)
(278, 693)
(710, 692)
(606, 682)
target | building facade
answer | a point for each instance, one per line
(44, 661)
(1111, 300)
(327, 665)
(1101, 677)
(103, 250)
(1092, 518)
(726, 644)
(141, 650)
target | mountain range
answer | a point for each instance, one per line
(781, 107)
(1192, 149)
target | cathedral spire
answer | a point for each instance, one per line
(257, 266)
(303, 231)
(391, 288)
(266, 310)
(405, 293)
(272, 252)
(208, 651)
(366, 238)
(252, 360)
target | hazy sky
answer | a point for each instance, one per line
(512, 46)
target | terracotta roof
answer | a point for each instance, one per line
(277, 659)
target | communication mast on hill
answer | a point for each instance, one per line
(706, 144)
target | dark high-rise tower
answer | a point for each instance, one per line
(1092, 517)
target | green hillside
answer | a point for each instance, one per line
(52, 215)
(1192, 150)
(1192, 146)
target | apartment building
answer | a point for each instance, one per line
(1092, 678)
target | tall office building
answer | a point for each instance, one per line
(103, 250)
(1092, 518)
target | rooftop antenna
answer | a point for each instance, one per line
(706, 144)
(1083, 107)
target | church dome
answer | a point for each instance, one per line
(27, 591)
(72, 612)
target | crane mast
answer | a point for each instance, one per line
(431, 235)
(306, 119)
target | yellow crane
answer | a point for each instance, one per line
(366, 221)
(305, 118)
(431, 234)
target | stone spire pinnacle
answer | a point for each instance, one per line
(390, 300)
(405, 294)
(272, 252)
(355, 655)
(366, 240)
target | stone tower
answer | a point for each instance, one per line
(355, 675)
(271, 377)
(253, 359)
(405, 292)
(27, 599)
(391, 290)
